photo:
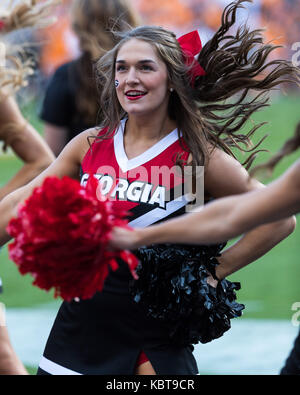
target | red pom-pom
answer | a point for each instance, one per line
(61, 236)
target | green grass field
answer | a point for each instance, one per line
(269, 286)
(272, 280)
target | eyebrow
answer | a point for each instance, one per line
(140, 61)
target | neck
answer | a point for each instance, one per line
(149, 128)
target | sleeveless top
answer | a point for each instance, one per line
(149, 187)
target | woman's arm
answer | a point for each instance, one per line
(26, 143)
(225, 218)
(225, 176)
(67, 164)
(229, 217)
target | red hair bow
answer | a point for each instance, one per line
(191, 45)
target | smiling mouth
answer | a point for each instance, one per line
(135, 95)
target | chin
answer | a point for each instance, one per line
(137, 112)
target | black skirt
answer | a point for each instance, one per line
(105, 335)
(163, 313)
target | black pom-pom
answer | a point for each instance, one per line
(172, 286)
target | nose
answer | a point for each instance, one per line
(132, 77)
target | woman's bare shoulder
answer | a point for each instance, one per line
(225, 175)
(82, 142)
(93, 132)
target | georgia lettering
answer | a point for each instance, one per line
(136, 191)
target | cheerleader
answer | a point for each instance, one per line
(17, 134)
(28, 145)
(159, 107)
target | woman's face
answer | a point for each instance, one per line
(143, 80)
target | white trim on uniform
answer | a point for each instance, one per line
(55, 369)
(126, 164)
(158, 214)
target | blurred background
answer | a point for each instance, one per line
(260, 341)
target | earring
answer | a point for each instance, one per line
(171, 90)
(116, 83)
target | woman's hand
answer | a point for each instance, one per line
(211, 281)
(129, 239)
(124, 239)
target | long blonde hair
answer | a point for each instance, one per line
(93, 21)
(15, 69)
(14, 73)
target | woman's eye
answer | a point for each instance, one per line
(120, 68)
(146, 67)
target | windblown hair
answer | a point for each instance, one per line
(17, 68)
(93, 22)
(291, 145)
(27, 13)
(14, 75)
(217, 106)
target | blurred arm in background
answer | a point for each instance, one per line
(25, 142)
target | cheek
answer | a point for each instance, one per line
(119, 96)
(160, 92)
(158, 85)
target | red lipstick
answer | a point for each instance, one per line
(134, 95)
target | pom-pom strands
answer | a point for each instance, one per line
(27, 13)
(24, 14)
(14, 75)
(61, 235)
(173, 287)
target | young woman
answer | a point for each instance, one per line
(71, 103)
(17, 134)
(150, 97)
